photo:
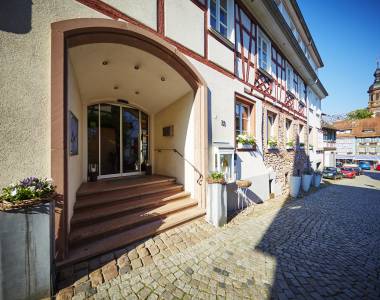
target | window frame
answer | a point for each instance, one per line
(230, 19)
(260, 38)
(251, 124)
(274, 126)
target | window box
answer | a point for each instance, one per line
(246, 147)
(289, 148)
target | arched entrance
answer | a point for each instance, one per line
(90, 35)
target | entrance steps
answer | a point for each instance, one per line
(114, 213)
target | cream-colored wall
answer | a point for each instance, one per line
(180, 114)
(184, 23)
(144, 11)
(220, 54)
(75, 162)
(25, 89)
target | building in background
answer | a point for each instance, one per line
(329, 144)
(358, 140)
(374, 93)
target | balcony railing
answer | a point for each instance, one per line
(329, 144)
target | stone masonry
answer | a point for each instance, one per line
(284, 163)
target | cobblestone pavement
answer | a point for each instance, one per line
(325, 245)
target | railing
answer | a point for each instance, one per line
(329, 144)
(200, 178)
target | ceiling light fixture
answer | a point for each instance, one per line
(137, 67)
(105, 62)
(115, 87)
(163, 78)
(137, 92)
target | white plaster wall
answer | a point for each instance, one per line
(184, 23)
(25, 86)
(144, 11)
(180, 114)
(220, 54)
(75, 162)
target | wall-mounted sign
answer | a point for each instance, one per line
(168, 130)
(73, 125)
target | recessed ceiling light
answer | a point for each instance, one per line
(163, 78)
(115, 87)
(137, 92)
(105, 62)
(137, 67)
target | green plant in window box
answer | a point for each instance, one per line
(245, 141)
(216, 177)
(290, 145)
(302, 145)
(272, 143)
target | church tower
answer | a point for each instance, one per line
(374, 93)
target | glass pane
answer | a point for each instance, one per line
(237, 124)
(225, 165)
(237, 110)
(110, 139)
(223, 17)
(213, 7)
(244, 112)
(144, 140)
(223, 4)
(223, 30)
(245, 124)
(93, 136)
(130, 121)
(213, 23)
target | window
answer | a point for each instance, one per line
(377, 96)
(288, 126)
(271, 126)
(219, 16)
(264, 52)
(242, 116)
(289, 78)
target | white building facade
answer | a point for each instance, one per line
(123, 85)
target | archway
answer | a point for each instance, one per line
(84, 34)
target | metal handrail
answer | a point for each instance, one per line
(200, 178)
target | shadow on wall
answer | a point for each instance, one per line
(324, 246)
(16, 16)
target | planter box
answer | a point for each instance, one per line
(306, 182)
(27, 237)
(217, 204)
(294, 185)
(272, 148)
(317, 180)
(290, 148)
(246, 147)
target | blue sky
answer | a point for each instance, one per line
(347, 35)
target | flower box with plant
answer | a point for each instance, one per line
(27, 233)
(272, 143)
(245, 141)
(216, 213)
(302, 145)
(290, 145)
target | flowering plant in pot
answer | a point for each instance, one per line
(216, 213)
(272, 143)
(290, 145)
(27, 232)
(317, 178)
(245, 141)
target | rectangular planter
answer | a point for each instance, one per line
(217, 204)
(26, 252)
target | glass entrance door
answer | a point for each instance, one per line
(117, 139)
(130, 137)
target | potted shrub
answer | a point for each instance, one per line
(306, 180)
(317, 178)
(290, 145)
(294, 185)
(245, 141)
(27, 235)
(217, 199)
(272, 143)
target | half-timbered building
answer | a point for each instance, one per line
(117, 90)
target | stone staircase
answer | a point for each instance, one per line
(111, 214)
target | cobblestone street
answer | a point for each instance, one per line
(323, 246)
